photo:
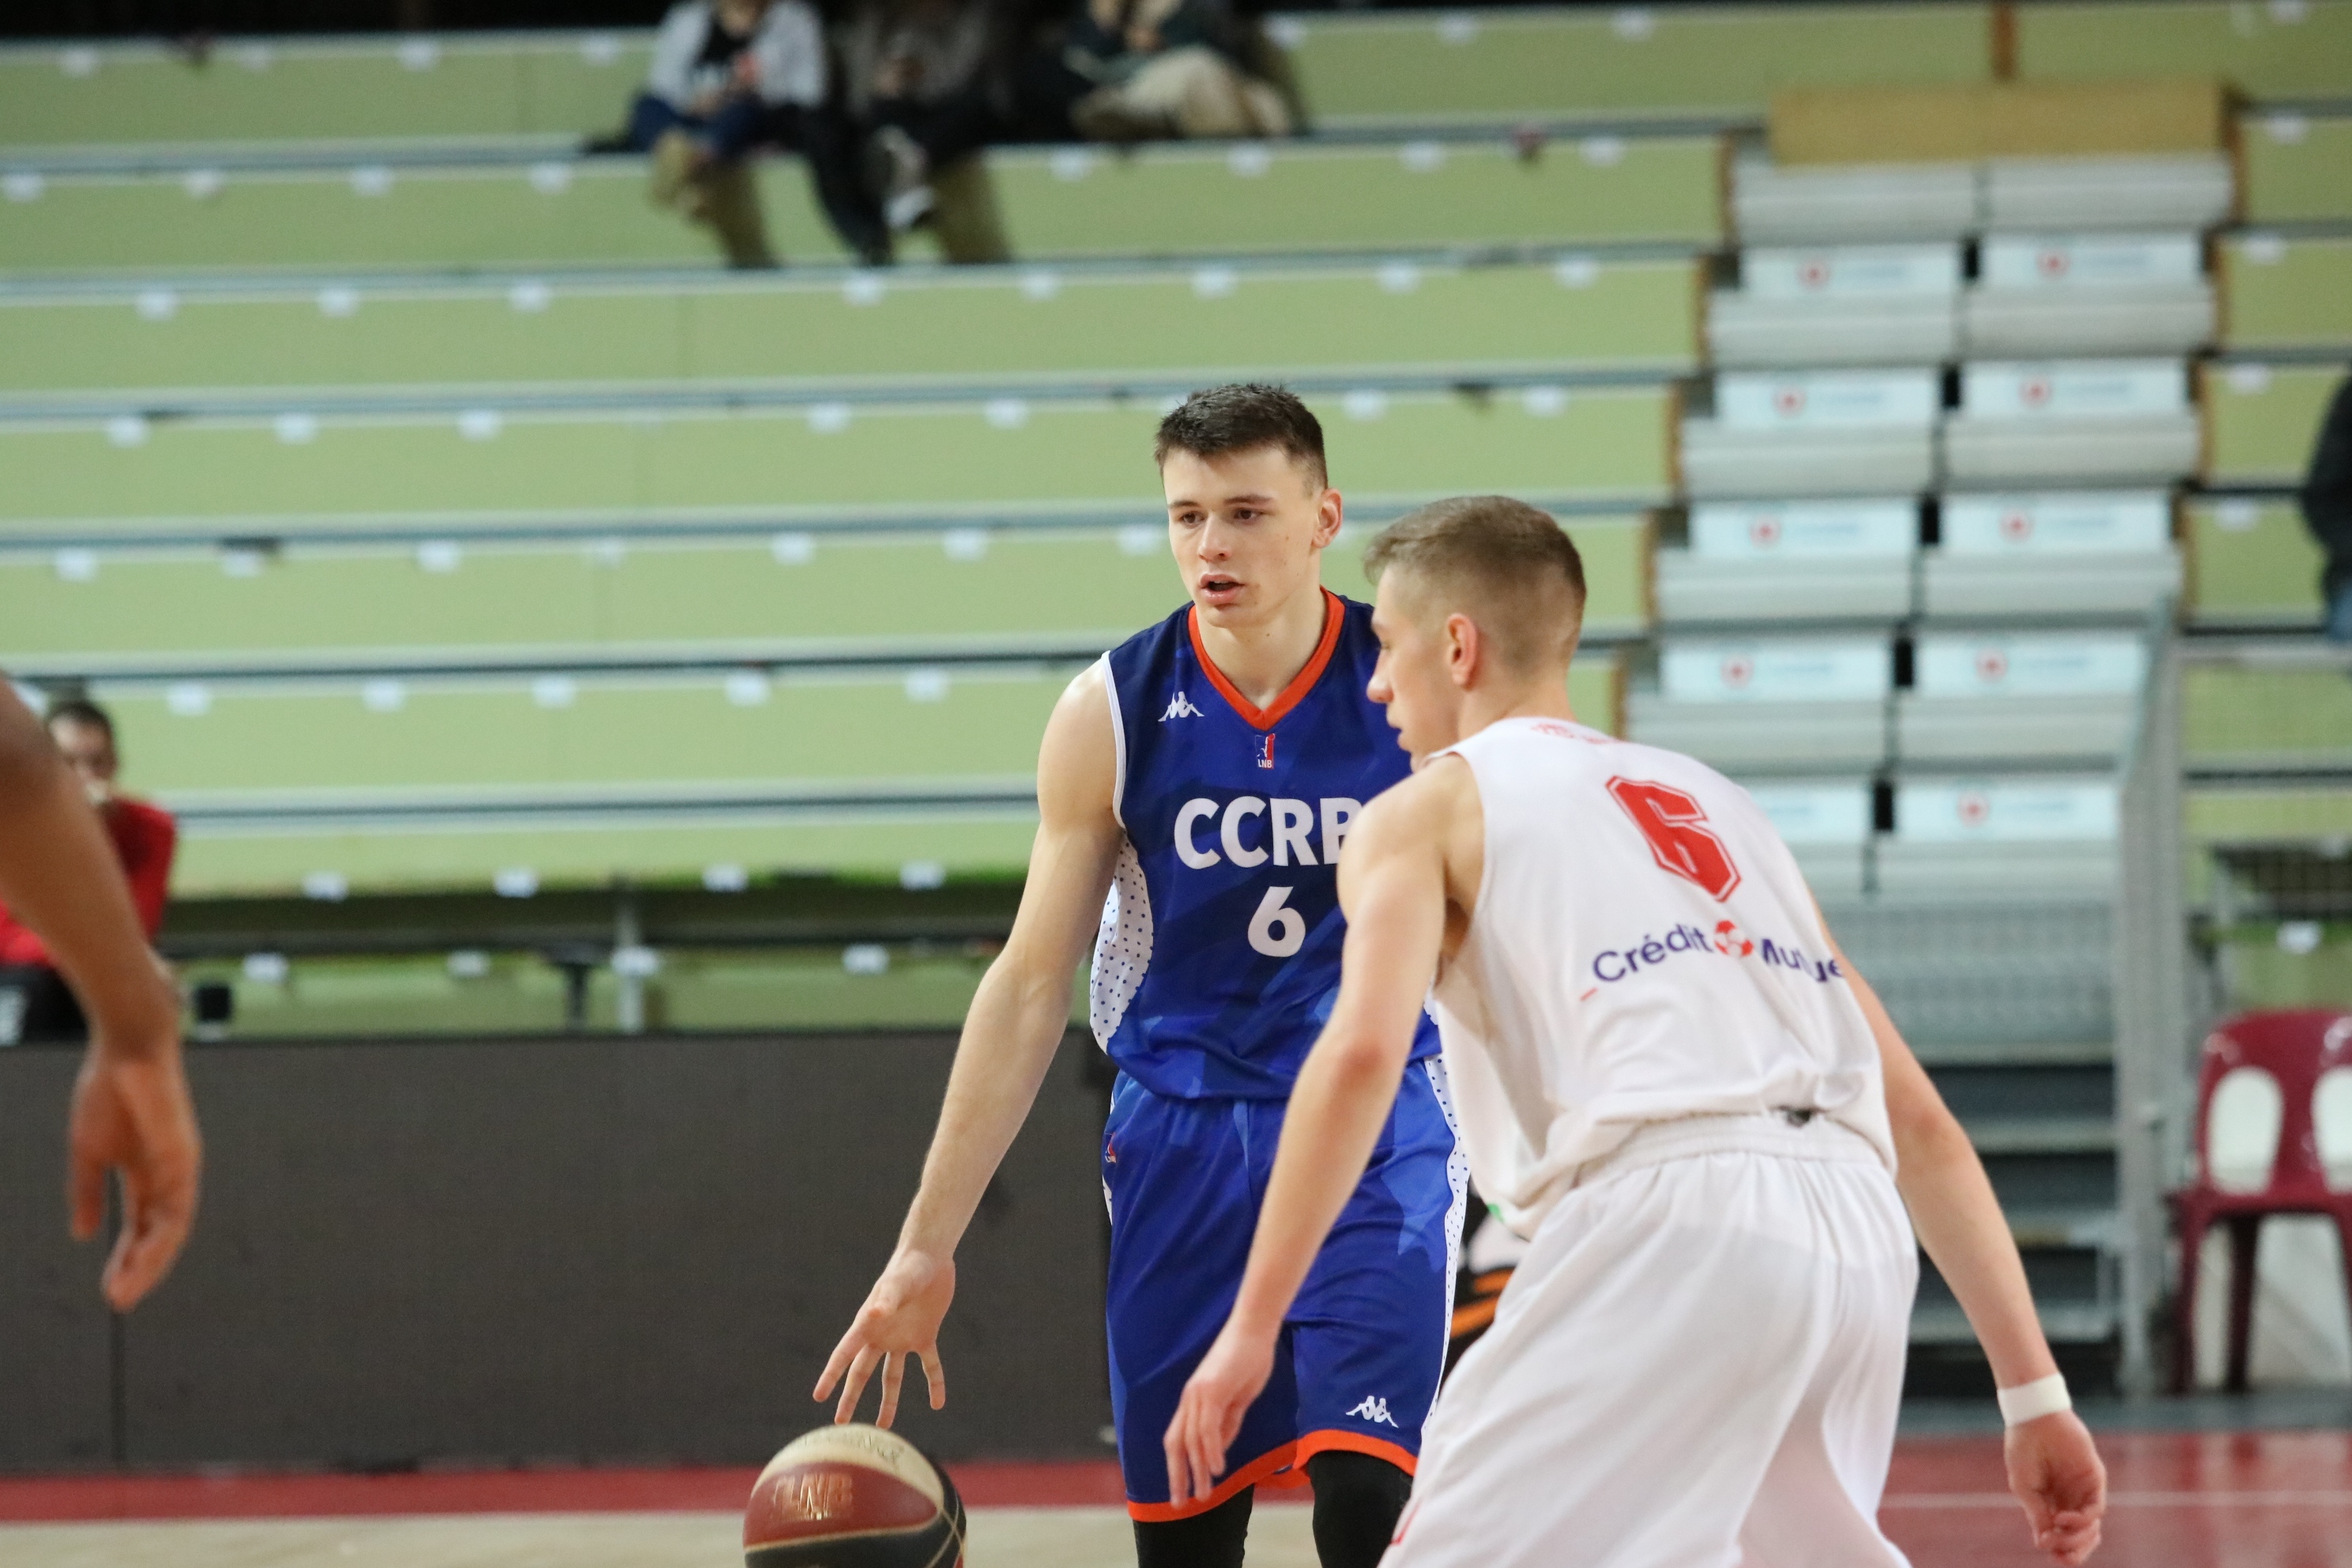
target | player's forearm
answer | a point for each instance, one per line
(1015, 1024)
(59, 876)
(1341, 1100)
(1959, 1223)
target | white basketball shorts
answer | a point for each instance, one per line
(1698, 1365)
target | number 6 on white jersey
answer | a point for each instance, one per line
(1277, 930)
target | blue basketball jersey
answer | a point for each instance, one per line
(1219, 956)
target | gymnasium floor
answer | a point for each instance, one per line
(2219, 1498)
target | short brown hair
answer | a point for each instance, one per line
(83, 711)
(1509, 567)
(1241, 417)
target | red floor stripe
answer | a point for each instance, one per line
(1943, 1493)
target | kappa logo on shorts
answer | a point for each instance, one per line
(1179, 707)
(1375, 1410)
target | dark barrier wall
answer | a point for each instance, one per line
(594, 1250)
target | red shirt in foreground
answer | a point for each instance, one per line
(144, 838)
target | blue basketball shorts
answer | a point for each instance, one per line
(1359, 1360)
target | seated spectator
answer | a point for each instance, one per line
(34, 1001)
(1164, 68)
(732, 76)
(2327, 508)
(925, 83)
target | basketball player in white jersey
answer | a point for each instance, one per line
(1669, 1080)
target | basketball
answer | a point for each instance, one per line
(853, 1497)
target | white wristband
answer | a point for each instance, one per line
(2033, 1401)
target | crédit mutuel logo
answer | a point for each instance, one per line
(1726, 940)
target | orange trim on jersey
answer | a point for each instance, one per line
(1260, 1469)
(1282, 1469)
(1334, 614)
(1334, 1441)
(1492, 1280)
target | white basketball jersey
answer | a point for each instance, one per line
(1643, 948)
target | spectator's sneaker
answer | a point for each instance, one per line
(901, 176)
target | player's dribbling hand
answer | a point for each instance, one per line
(901, 1318)
(1209, 1416)
(131, 1113)
(2055, 1472)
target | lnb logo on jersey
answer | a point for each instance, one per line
(1726, 940)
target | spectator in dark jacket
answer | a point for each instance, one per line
(728, 78)
(2327, 508)
(926, 83)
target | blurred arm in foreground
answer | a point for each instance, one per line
(132, 1112)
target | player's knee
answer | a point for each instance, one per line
(1358, 1500)
(1211, 1540)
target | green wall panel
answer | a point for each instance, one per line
(2302, 50)
(1693, 59)
(214, 863)
(2268, 816)
(2262, 421)
(775, 463)
(2253, 564)
(2298, 168)
(343, 90)
(1186, 201)
(672, 734)
(1172, 202)
(2280, 293)
(2233, 714)
(321, 605)
(995, 329)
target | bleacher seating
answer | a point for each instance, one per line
(537, 210)
(1133, 326)
(437, 521)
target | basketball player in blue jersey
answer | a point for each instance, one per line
(1194, 788)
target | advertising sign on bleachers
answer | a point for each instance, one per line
(2015, 810)
(1825, 398)
(2059, 665)
(2081, 261)
(1859, 269)
(1817, 527)
(1835, 813)
(1777, 669)
(2074, 389)
(2088, 522)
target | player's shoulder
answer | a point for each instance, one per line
(1432, 792)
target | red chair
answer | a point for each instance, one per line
(2297, 1050)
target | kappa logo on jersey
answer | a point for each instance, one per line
(1179, 707)
(1375, 1410)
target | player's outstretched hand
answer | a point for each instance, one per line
(131, 1113)
(1209, 1416)
(2055, 1472)
(901, 1318)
